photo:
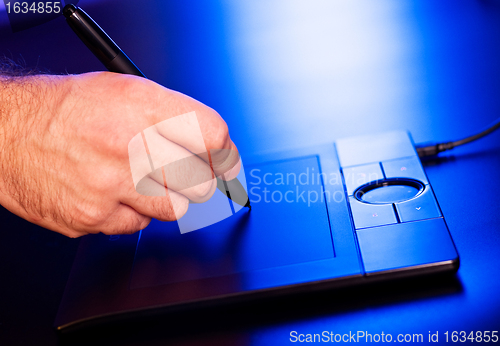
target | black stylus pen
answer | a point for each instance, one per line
(115, 60)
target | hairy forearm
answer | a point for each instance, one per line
(22, 94)
(25, 102)
(20, 99)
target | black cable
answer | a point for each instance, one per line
(428, 149)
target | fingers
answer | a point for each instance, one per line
(170, 165)
(178, 169)
(161, 203)
(201, 131)
(184, 129)
(125, 220)
(226, 163)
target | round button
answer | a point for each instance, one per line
(389, 191)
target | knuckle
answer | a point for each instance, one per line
(222, 139)
(205, 190)
(217, 135)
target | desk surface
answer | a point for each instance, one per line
(289, 74)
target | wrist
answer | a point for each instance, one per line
(26, 107)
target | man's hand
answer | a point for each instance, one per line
(64, 151)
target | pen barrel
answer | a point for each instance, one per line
(122, 64)
(99, 43)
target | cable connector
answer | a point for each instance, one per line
(431, 149)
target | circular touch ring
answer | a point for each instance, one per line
(388, 191)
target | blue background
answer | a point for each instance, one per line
(287, 74)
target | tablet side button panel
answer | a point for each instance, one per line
(405, 245)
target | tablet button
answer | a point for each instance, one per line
(422, 207)
(405, 168)
(356, 176)
(371, 215)
(405, 245)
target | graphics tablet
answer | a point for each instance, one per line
(354, 211)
